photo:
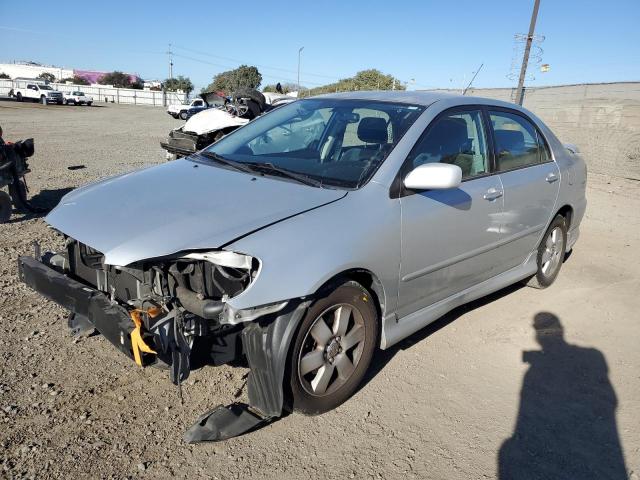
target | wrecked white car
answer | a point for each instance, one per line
(210, 125)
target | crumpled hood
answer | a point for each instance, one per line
(212, 119)
(178, 206)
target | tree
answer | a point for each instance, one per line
(117, 79)
(4, 76)
(242, 77)
(76, 80)
(180, 83)
(286, 87)
(47, 77)
(371, 79)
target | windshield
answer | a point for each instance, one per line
(338, 143)
(44, 87)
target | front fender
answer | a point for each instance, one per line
(299, 255)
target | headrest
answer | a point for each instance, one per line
(450, 130)
(447, 136)
(510, 140)
(373, 130)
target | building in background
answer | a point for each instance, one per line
(33, 70)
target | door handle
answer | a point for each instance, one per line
(552, 177)
(492, 194)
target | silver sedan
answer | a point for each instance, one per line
(312, 236)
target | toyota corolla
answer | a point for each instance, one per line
(311, 237)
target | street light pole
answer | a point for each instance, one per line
(525, 57)
(299, 54)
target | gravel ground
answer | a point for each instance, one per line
(459, 400)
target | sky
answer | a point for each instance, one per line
(427, 44)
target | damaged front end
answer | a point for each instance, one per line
(168, 311)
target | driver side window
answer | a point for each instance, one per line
(457, 138)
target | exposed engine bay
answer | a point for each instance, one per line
(176, 304)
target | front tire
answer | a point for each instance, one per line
(43, 100)
(333, 349)
(19, 97)
(183, 115)
(550, 254)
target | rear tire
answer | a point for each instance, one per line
(5, 207)
(333, 349)
(89, 104)
(551, 252)
(18, 97)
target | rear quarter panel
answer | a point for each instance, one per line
(573, 179)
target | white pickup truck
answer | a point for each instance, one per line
(37, 92)
(180, 110)
(78, 98)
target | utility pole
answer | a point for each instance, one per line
(299, 54)
(525, 57)
(170, 53)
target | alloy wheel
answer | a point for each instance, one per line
(552, 254)
(331, 349)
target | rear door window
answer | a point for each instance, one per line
(517, 142)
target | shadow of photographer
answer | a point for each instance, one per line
(566, 425)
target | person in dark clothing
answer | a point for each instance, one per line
(278, 88)
(566, 426)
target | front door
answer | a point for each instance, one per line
(449, 236)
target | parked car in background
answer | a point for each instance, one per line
(36, 91)
(193, 110)
(180, 110)
(313, 235)
(78, 98)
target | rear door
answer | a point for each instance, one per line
(531, 181)
(449, 236)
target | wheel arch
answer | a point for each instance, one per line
(567, 212)
(368, 280)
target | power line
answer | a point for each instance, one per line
(268, 67)
(262, 66)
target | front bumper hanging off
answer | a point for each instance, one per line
(266, 345)
(111, 320)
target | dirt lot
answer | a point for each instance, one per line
(441, 405)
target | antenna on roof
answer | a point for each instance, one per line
(473, 78)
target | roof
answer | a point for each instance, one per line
(401, 96)
(424, 98)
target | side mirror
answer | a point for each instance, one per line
(433, 176)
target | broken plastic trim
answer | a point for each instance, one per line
(224, 258)
(222, 423)
(232, 316)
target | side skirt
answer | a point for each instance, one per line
(393, 332)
